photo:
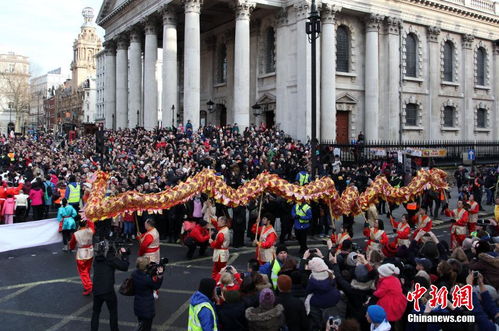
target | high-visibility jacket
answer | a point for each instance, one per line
(74, 193)
(274, 273)
(194, 322)
(303, 178)
(301, 212)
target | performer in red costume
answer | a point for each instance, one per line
(82, 241)
(458, 228)
(473, 210)
(423, 224)
(402, 229)
(376, 238)
(339, 238)
(149, 242)
(220, 246)
(267, 237)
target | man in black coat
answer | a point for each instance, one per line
(294, 308)
(105, 263)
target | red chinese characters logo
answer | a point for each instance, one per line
(461, 296)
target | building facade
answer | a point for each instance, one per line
(99, 87)
(397, 70)
(14, 91)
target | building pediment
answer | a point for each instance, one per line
(266, 99)
(346, 98)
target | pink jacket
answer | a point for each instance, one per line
(390, 297)
(9, 206)
(36, 197)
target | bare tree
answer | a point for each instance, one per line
(15, 90)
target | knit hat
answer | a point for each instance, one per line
(352, 259)
(388, 269)
(423, 274)
(319, 268)
(284, 283)
(361, 273)
(206, 287)
(232, 296)
(482, 247)
(430, 250)
(267, 299)
(346, 245)
(425, 263)
(281, 248)
(376, 313)
(467, 243)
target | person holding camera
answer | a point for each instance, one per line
(147, 278)
(220, 243)
(458, 229)
(105, 264)
(82, 241)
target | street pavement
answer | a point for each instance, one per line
(40, 288)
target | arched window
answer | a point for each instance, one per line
(449, 116)
(481, 118)
(342, 49)
(222, 64)
(448, 61)
(270, 51)
(480, 66)
(411, 114)
(411, 55)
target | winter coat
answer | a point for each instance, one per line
(143, 285)
(231, 316)
(325, 293)
(205, 316)
(260, 319)
(390, 297)
(36, 196)
(9, 206)
(488, 267)
(104, 268)
(67, 214)
(294, 311)
(385, 326)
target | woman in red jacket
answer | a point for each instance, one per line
(198, 236)
(389, 292)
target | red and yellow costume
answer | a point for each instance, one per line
(473, 215)
(403, 232)
(82, 242)
(374, 234)
(423, 224)
(339, 238)
(149, 245)
(220, 250)
(265, 251)
(458, 229)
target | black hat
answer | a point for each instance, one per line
(206, 286)
(281, 248)
(346, 245)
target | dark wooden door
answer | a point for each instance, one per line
(342, 127)
(223, 115)
(269, 119)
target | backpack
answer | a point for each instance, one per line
(126, 287)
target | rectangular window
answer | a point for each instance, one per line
(411, 114)
(481, 115)
(449, 116)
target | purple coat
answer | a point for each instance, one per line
(325, 293)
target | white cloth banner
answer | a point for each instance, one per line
(29, 234)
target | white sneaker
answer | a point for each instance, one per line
(155, 295)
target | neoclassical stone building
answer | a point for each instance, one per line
(405, 69)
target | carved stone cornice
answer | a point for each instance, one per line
(110, 47)
(169, 15)
(433, 33)
(373, 22)
(328, 13)
(392, 25)
(192, 6)
(302, 9)
(468, 41)
(243, 9)
(281, 16)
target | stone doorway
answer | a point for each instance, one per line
(342, 127)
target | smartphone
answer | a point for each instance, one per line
(219, 291)
(312, 250)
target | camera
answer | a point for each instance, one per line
(355, 247)
(152, 268)
(229, 268)
(475, 277)
(334, 321)
(312, 250)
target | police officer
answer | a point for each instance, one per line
(73, 193)
(302, 214)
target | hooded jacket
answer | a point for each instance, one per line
(325, 293)
(488, 267)
(260, 319)
(391, 298)
(385, 326)
(205, 316)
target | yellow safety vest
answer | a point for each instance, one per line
(194, 323)
(304, 179)
(74, 194)
(274, 274)
(302, 212)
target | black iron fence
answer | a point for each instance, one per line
(429, 152)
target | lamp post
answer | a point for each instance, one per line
(138, 114)
(210, 106)
(173, 116)
(313, 30)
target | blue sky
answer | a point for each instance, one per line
(44, 30)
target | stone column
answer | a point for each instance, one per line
(192, 73)
(135, 96)
(242, 64)
(495, 114)
(393, 28)
(283, 120)
(110, 84)
(170, 76)
(371, 107)
(122, 83)
(433, 119)
(328, 73)
(150, 82)
(468, 114)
